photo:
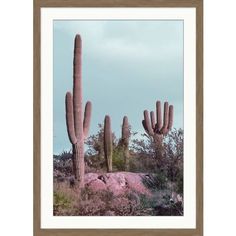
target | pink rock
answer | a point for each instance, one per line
(119, 183)
(94, 183)
(135, 182)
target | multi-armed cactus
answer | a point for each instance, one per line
(108, 146)
(154, 127)
(77, 123)
(125, 141)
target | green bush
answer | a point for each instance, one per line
(61, 202)
(180, 182)
(161, 179)
(156, 181)
(118, 159)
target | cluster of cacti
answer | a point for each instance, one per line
(77, 122)
(154, 127)
(125, 141)
(108, 145)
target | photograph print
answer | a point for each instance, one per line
(118, 117)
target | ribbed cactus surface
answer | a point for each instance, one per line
(77, 122)
(108, 146)
(125, 141)
(154, 126)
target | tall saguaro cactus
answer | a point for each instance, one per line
(125, 141)
(154, 127)
(108, 143)
(77, 122)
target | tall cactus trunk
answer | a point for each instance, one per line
(159, 148)
(80, 166)
(126, 157)
(108, 143)
(75, 161)
(77, 123)
(125, 142)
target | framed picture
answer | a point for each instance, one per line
(118, 117)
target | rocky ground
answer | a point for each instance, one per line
(118, 193)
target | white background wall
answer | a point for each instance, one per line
(16, 76)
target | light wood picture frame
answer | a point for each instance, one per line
(198, 6)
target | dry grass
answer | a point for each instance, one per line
(68, 201)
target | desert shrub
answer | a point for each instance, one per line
(118, 159)
(145, 159)
(95, 143)
(93, 206)
(146, 202)
(92, 203)
(65, 199)
(160, 204)
(134, 165)
(63, 163)
(165, 205)
(121, 206)
(61, 203)
(161, 180)
(149, 205)
(95, 159)
(169, 167)
(104, 203)
(173, 145)
(69, 202)
(170, 209)
(180, 182)
(93, 164)
(139, 163)
(156, 181)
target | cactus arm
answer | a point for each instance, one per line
(153, 120)
(171, 117)
(164, 129)
(148, 123)
(166, 114)
(87, 118)
(159, 129)
(144, 126)
(158, 114)
(77, 89)
(70, 118)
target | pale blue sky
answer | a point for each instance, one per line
(126, 67)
